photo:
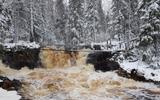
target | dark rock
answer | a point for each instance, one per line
(16, 84)
(94, 58)
(101, 61)
(97, 47)
(106, 66)
(85, 47)
(135, 75)
(8, 84)
(1, 51)
(152, 74)
(92, 47)
(23, 58)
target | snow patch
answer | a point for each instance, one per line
(21, 43)
(9, 95)
(143, 69)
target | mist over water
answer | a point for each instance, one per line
(79, 82)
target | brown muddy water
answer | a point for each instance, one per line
(57, 80)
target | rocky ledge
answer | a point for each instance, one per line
(21, 54)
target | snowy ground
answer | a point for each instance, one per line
(143, 69)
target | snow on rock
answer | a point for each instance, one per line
(21, 43)
(143, 69)
(9, 95)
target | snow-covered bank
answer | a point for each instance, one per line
(142, 69)
(9, 95)
(25, 44)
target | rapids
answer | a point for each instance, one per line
(79, 82)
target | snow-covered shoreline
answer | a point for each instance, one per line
(21, 43)
(142, 69)
(7, 94)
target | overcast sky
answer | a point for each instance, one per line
(106, 4)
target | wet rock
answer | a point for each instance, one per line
(85, 47)
(106, 66)
(1, 51)
(101, 61)
(135, 75)
(94, 58)
(8, 84)
(22, 58)
(97, 47)
(92, 47)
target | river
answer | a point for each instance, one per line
(79, 82)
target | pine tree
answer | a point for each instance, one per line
(60, 20)
(102, 35)
(75, 24)
(92, 20)
(23, 20)
(125, 20)
(150, 26)
(5, 23)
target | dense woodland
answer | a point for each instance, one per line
(128, 24)
(80, 49)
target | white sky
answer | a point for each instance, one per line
(66, 2)
(106, 5)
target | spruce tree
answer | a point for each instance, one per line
(74, 24)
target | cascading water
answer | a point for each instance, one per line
(58, 81)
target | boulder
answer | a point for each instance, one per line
(97, 47)
(107, 65)
(102, 61)
(8, 84)
(92, 46)
(96, 57)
